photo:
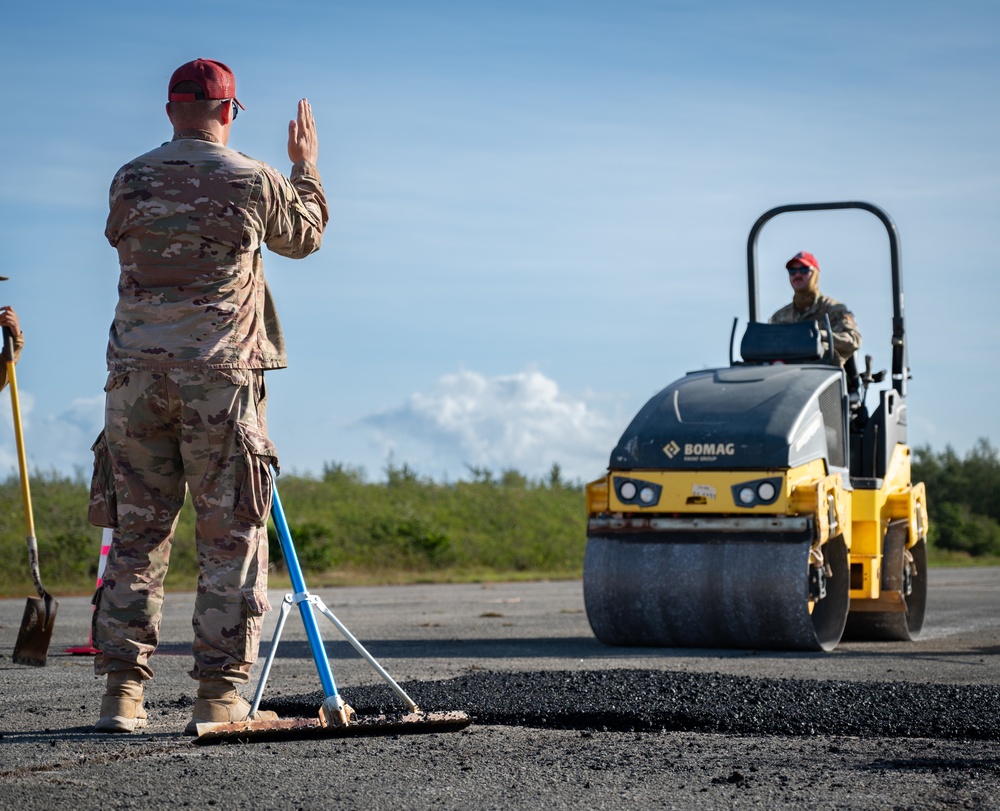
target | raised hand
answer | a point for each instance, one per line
(303, 143)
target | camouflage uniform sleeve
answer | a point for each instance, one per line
(786, 315)
(18, 346)
(846, 336)
(113, 224)
(295, 211)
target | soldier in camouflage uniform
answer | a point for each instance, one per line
(808, 304)
(194, 329)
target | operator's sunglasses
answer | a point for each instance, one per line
(236, 108)
(798, 270)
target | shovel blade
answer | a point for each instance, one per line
(32, 646)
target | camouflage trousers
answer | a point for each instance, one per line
(166, 433)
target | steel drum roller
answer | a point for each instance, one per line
(716, 592)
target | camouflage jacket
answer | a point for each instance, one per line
(189, 220)
(846, 337)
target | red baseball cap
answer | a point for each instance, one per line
(215, 79)
(803, 258)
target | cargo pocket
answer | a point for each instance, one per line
(253, 477)
(103, 508)
(255, 603)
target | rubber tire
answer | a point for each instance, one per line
(896, 626)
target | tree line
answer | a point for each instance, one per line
(962, 497)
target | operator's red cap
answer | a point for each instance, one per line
(803, 258)
(215, 79)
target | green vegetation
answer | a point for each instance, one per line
(410, 529)
(963, 498)
(406, 529)
(68, 546)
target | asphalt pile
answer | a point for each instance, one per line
(647, 700)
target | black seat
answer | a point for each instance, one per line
(786, 343)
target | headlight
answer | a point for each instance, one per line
(636, 491)
(757, 492)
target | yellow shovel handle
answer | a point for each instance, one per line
(22, 462)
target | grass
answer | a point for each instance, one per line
(347, 532)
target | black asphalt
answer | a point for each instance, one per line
(559, 721)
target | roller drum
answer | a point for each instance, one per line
(713, 592)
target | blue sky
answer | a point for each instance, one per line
(539, 209)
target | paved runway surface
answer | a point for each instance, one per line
(560, 721)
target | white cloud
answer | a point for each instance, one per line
(8, 444)
(520, 421)
(59, 442)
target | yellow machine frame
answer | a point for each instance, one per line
(862, 517)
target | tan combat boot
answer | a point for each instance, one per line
(121, 707)
(218, 702)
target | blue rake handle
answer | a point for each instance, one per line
(334, 710)
(305, 605)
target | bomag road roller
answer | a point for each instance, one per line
(761, 505)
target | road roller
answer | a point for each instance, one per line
(762, 505)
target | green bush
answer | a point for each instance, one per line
(963, 498)
(345, 529)
(312, 547)
(957, 528)
(69, 548)
(973, 481)
(412, 525)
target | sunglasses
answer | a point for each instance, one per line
(236, 109)
(799, 271)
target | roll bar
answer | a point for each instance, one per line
(900, 364)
